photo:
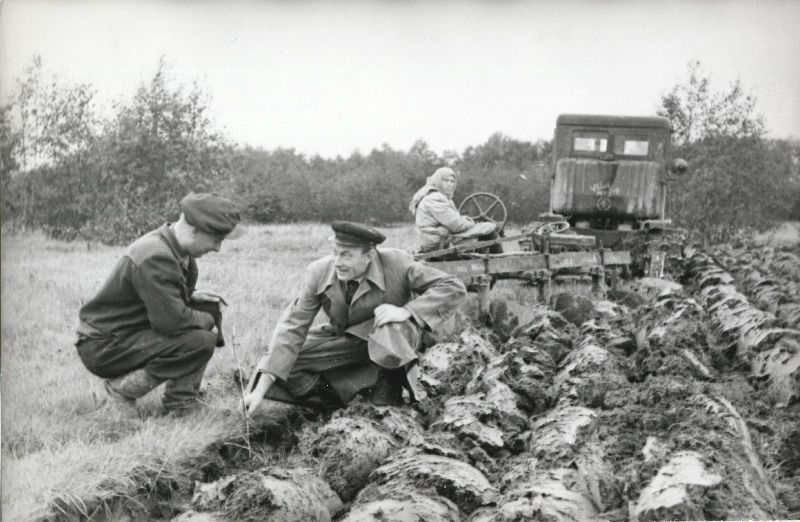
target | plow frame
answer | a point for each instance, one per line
(478, 270)
(650, 246)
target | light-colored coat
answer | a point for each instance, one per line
(393, 277)
(437, 218)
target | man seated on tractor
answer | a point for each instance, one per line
(378, 303)
(439, 223)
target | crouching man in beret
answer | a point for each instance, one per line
(378, 302)
(147, 324)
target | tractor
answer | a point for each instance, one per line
(606, 215)
(609, 180)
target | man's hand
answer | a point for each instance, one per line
(207, 296)
(386, 313)
(251, 401)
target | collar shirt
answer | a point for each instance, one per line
(373, 276)
(350, 287)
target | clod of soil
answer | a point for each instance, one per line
(446, 368)
(500, 396)
(576, 309)
(282, 495)
(780, 368)
(472, 418)
(528, 371)
(434, 475)
(549, 495)
(589, 376)
(678, 491)
(404, 505)
(349, 450)
(559, 434)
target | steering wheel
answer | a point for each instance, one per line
(483, 206)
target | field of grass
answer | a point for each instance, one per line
(59, 452)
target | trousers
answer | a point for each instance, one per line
(333, 355)
(344, 360)
(180, 360)
(163, 357)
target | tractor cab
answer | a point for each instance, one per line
(611, 172)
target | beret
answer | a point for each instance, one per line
(210, 213)
(356, 234)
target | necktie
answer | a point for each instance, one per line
(350, 290)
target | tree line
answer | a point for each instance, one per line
(738, 179)
(68, 171)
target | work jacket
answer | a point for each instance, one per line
(437, 218)
(150, 287)
(392, 277)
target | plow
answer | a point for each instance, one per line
(539, 266)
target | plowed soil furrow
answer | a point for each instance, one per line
(763, 377)
(775, 292)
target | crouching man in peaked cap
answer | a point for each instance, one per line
(147, 324)
(378, 301)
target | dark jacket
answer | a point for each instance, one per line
(149, 288)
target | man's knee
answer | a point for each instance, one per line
(91, 353)
(395, 344)
(201, 343)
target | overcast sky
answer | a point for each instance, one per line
(330, 77)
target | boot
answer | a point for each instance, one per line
(123, 391)
(389, 389)
(322, 397)
(181, 394)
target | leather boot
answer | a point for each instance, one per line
(322, 397)
(389, 389)
(123, 391)
(181, 394)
